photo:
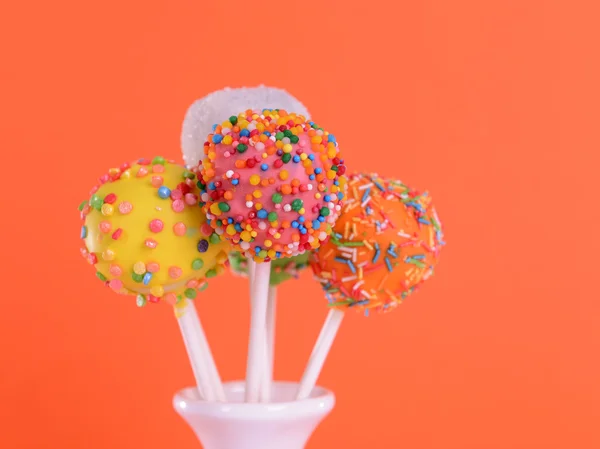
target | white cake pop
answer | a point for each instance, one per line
(213, 108)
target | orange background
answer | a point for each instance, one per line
(491, 105)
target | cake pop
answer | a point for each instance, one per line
(146, 235)
(272, 183)
(385, 244)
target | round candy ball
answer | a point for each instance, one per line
(146, 235)
(273, 183)
(282, 269)
(386, 242)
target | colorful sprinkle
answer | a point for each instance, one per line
(203, 246)
(140, 300)
(175, 272)
(179, 229)
(156, 225)
(150, 243)
(125, 207)
(164, 192)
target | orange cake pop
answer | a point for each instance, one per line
(386, 242)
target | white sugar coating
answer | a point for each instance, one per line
(218, 106)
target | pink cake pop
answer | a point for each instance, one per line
(273, 183)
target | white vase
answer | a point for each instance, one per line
(284, 423)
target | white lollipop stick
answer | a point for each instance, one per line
(265, 386)
(264, 395)
(251, 266)
(319, 353)
(192, 333)
(213, 372)
(267, 375)
(258, 318)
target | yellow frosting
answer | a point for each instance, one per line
(146, 234)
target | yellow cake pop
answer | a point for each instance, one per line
(147, 236)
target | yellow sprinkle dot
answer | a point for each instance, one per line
(331, 174)
(227, 140)
(157, 290)
(287, 148)
(139, 268)
(283, 175)
(221, 257)
(230, 230)
(316, 139)
(260, 127)
(258, 206)
(317, 195)
(277, 236)
(257, 194)
(243, 124)
(331, 153)
(214, 209)
(268, 243)
(254, 180)
(246, 236)
(271, 253)
(303, 156)
(264, 155)
(279, 144)
(107, 209)
(302, 211)
(253, 233)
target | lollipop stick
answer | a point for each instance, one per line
(271, 317)
(267, 374)
(213, 372)
(264, 395)
(265, 386)
(192, 333)
(251, 266)
(319, 353)
(258, 317)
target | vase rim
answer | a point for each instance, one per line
(187, 401)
